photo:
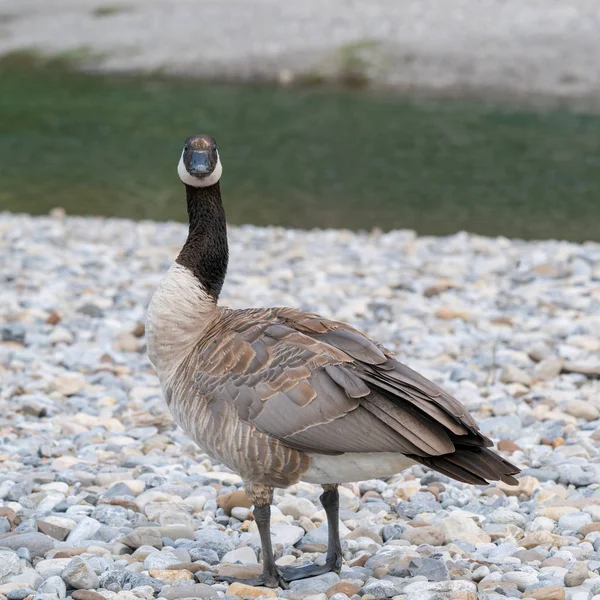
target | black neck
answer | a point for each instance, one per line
(205, 252)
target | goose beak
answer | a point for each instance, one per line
(199, 163)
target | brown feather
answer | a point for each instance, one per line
(309, 384)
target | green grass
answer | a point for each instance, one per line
(294, 157)
(34, 58)
(109, 10)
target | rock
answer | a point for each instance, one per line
(588, 368)
(126, 342)
(541, 538)
(91, 310)
(548, 368)
(69, 385)
(247, 591)
(36, 543)
(160, 560)
(528, 556)
(10, 565)
(405, 489)
(79, 575)
(285, 534)
(508, 446)
(213, 539)
(54, 531)
(245, 554)
(522, 579)
(582, 409)
(17, 594)
(177, 532)
(512, 374)
(438, 288)
(171, 575)
(17, 490)
(86, 595)
(364, 532)
(299, 507)
(423, 590)
(321, 583)
(241, 513)
(431, 568)
(239, 571)
(197, 590)
(84, 530)
(143, 536)
(432, 535)
(539, 351)
(448, 313)
(552, 592)
(480, 572)
(556, 512)
(507, 517)
(12, 332)
(459, 526)
(319, 535)
(193, 567)
(61, 335)
(51, 567)
(65, 553)
(574, 521)
(527, 485)
(382, 588)
(576, 475)
(53, 585)
(233, 499)
(204, 554)
(5, 511)
(53, 318)
(577, 574)
(115, 580)
(506, 427)
(342, 587)
(139, 330)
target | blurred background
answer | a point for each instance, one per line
(436, 116)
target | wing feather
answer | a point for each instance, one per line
(321, 386)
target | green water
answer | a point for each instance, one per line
(297, 157)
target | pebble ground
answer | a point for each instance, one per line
(102, 497)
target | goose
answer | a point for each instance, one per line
(280, 395)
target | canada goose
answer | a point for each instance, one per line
(280, 395)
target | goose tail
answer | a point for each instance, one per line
(472, 464)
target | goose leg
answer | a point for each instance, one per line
(271, 577)
(330, 499)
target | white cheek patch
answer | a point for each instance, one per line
(195, 181)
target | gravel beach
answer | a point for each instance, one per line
(546, 48)
(102, 496)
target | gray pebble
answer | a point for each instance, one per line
(315, 584)
(53, 585)
(37, 544)
(431, 568)
(197, 590)
(4, 525)
(79, 575)
(576, 575)
(12, 332)
(19, 594)
(206, 555)
(117, 475)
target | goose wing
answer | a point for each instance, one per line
(321, 386)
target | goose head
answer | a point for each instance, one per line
(199, 165)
